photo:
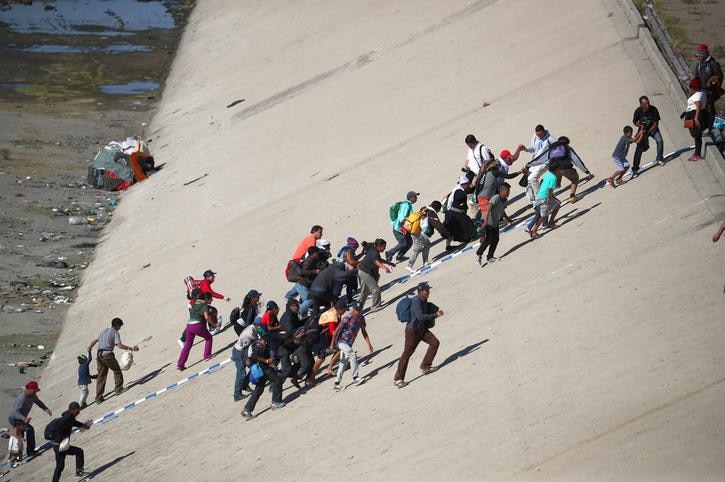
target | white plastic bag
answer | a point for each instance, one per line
(64, 445)
(126, 360)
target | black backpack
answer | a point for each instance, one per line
(49, 432)
(234, 315)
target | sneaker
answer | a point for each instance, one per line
(337, 387)
(635, 173)
(694, 157)
(429, 370)
(181, 343)
(479, 260)
(410, 269)
(82, 473)
(100, 400)
(400, 383)
(295, 383)
(277, 405)
(400, 259)
(492, 259)
(572, 199)
(247, 415)
(238, 397)
(360, 380)
(388, 256)
(120, 390)
(83, 405)
(660, 162)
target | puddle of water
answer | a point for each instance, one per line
(88, 17)
(130, 88)
(13, 85)
(120, 48)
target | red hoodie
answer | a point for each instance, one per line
(205, 287)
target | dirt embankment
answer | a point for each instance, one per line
(60, 102)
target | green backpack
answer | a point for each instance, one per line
(394, 209)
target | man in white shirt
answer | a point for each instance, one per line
(478, 154)
(540, 142)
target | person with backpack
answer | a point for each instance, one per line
(351, 323)
(58, 431)
(540, 142)
(295, 261)
(18, 418)
(108, 340)
(258, 353)
(478, 156)
(328, 322)
(398, 213)
(348, 253)
(84, 377)
(199, 316)
(369, 273)
(422, 317)
(242, 317)
(290, 337)
(564, 158)
(205, 286)
(312, 265)
(647, 119)
(421, 228)
(496, 213)
(459, 225)
(249, 335)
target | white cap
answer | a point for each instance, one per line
(322, 243)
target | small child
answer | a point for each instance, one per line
(15, 446)
(619, 156)
(84, 377)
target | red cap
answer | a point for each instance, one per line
(695, 83)
(33, 386)
(703, 48)
(505, 154)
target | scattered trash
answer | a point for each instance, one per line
(15, 308)
(75, 220)
(51, 263)
(238, 101)
(146, 266)
(41, 347)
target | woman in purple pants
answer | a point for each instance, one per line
(196, 326)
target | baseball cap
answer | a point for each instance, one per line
(695, 83)
(702, 50)
(357, 306)
(423, 286)
(411, 194)
(32, 385)
(321, 243)
(74, 406)
(254, 294)
(271, 305)
(505, 154)
(208, 273)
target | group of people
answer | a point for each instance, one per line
(321, 324)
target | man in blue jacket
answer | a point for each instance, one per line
(422, 316)
(405, 241)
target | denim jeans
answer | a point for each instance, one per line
(240, 379)
(404, 244)
(660, 150)
(306, 299)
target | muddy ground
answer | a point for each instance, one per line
(55, 113)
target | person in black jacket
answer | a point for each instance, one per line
(248, 311)
(63, 429)
(290, 339)
(422, 316)
(259, 353)
(328, 285)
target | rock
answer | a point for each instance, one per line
(75, 220)
(15, 308)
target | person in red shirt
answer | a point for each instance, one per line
(205, 286)
(311, 240)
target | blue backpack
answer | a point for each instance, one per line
(255, 373)
(402, 310)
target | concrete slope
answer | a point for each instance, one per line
(594, 353)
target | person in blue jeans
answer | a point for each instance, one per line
(405, 241)
(239, 356)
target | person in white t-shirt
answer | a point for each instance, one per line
(540, 142)
(696, 114)
(478, 154)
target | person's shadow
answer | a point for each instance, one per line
(106, 466)
(455, 356)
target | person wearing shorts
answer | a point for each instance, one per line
(546, 203)
(619, 156)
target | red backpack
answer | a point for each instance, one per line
(190, 284)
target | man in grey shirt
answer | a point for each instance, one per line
(20, 411)
(107, 340)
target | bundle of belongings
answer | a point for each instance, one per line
(121, 164)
